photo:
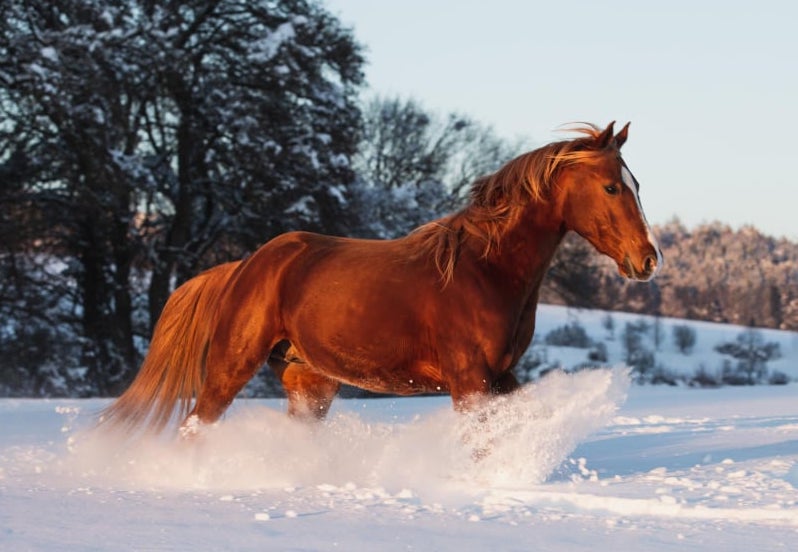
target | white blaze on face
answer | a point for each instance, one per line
(631, 183)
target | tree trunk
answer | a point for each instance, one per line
(93, 291)
(122, 311)
(179, 231)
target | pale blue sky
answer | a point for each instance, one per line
(711, 87)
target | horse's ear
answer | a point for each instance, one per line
(620, 138)
(603, 139)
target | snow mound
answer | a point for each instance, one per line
(517, 440)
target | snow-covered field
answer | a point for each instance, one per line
(573, 462)
(666, 353)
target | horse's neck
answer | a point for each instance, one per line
(525, 250)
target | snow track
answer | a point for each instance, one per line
(567, 470)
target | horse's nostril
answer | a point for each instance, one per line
(649, 264)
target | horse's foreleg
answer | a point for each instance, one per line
(473, 392)
(505, 384)
(473, 398)
(472, 405)
(470, 390)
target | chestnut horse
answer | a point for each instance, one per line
(448, 308)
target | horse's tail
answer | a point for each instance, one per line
(174, 368)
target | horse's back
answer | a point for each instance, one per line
(369, 269)
(303, 272)
(374, 313)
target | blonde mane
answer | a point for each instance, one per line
(498, 199)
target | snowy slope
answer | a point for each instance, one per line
(573, 465)
(708, 335)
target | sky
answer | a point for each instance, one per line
(710, 87)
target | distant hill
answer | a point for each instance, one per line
(711, 272)
(574, 339)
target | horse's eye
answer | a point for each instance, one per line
(612, 189)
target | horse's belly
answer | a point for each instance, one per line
(420, 378)
(400, 377)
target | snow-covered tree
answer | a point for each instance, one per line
(752, 354)
(169, 135)
(684, 337)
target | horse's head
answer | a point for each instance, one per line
(600, 201)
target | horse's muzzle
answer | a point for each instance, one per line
(646, 271)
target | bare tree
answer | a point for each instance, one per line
(414, 165)
(752, 354)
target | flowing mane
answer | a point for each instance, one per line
(496, 200)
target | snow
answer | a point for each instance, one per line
(49, 53)
(265, 49)
(304, 206)
(708, 336)
(572, 462)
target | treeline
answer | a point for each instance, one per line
(711, 272)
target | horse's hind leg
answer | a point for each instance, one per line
(235, 354)
(310, 393)
(219, 390)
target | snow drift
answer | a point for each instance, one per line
(674, 468)
(519, 439)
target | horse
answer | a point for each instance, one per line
(448, 308)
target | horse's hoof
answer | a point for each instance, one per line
(190, 428)
(480, 454)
